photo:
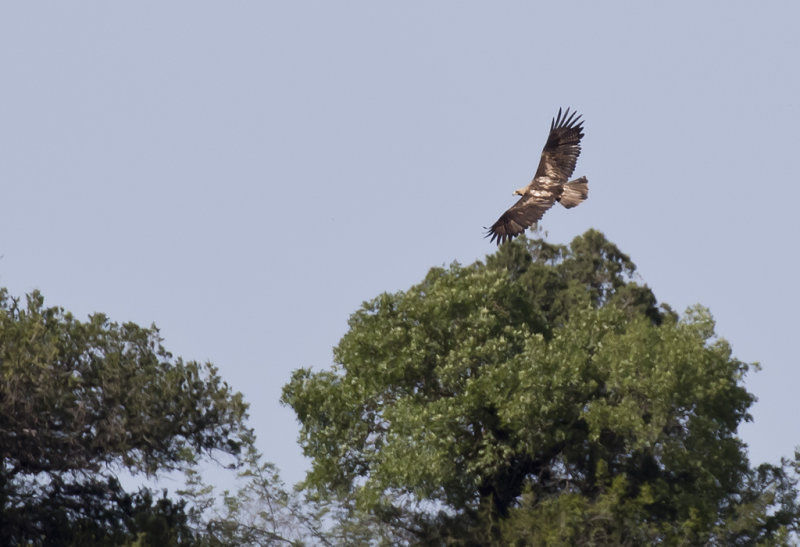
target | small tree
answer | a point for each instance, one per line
(260, 512)
(539, 398)
(79, 400)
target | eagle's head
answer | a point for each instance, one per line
(520, 191)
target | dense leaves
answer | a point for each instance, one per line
(539, 398)
(79, 400)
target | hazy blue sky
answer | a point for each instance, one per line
(244, 174)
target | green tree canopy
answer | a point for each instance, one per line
(541, 397)
(80, 401)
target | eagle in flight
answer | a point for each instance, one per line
(549, 184)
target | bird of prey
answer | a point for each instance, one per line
(549, 184)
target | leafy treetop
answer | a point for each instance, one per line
(81, 399)
(541, 397)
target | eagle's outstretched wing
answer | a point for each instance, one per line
(521, 216)
(562, 148)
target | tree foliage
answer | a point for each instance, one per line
(541, 397)
(81, 400)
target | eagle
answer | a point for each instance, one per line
(549, 184)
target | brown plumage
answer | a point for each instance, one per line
(549, 184)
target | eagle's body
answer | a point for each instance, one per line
(549, 184)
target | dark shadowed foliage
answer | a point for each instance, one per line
(82, 400)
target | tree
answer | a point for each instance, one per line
(80, 400)
(541, 397)
(260, 512)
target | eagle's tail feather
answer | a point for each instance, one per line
(575, 191)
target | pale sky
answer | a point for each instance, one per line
(244, 174)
